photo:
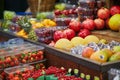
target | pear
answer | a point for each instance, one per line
(99, 56)
(108, 51)
(115, 57)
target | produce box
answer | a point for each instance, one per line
(45, 35)
(18, 72)
(85, 65)
(16, 51)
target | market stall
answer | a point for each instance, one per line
(79, 40)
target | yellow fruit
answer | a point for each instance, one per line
(38, 25)
(52, 23)
(103, 41)
(108, 51)
(33, 22)
(77, 41)
(21, 33)
(64, 44)
(114, 22)
(91, 38)
(99, 56)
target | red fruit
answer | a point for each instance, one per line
(106, 23)
(57, 12)
(87, 52)
(65, 12)
(70, 33)
(75, 25)
(58, 35)
(83, 33)
(8, 60)
(26, 57)
(33, 55)
(36, 58)
(12, 63)
(71, 11)
(24, 61)
(52, 43)
(67, 21)
(103, 13)
(88, 24)
(31, 59)
(1, 62)
(115, 10)
(99, 23)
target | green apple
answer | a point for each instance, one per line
(115, 57)
(116, 49)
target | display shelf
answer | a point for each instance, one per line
(62, 58)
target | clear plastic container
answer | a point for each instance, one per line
(85, 11)
(114, 74)
(87, 3)
(18, 71)
(31, 54)
(45, 35)
(21, 68)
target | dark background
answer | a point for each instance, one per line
(20, 5)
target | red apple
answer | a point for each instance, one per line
(115, 10)
(83, 33)
(75, 25)
(106, 23)
(87, 52)
(99, 23)
(58, 35)
(88, 24)
(103, 13)
(57, 12)
(65, 12)
(67, 21)
(70, 33)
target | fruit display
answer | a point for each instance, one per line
(18, 51)
(42, 23)
(25, 23)
(86, 9)
(114, 22)
(63, 17)
(18, 72)
(98, 50)
(8, 15)
(44, 15)
(31, 56)
(26, 72)
(32, 35)
(46, 35)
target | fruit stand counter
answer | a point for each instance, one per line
(60, 58)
